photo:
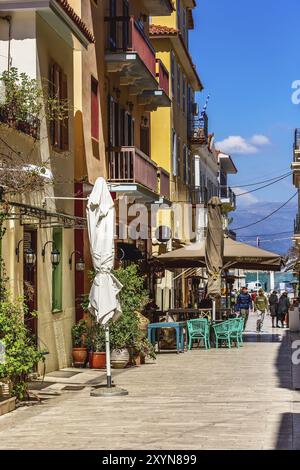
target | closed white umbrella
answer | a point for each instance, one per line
(104, 295)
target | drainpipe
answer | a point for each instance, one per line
(8, 19)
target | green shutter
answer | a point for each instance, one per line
(57, 273)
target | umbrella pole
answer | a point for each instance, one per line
(108, 390)
(108, 365)
(214, 309)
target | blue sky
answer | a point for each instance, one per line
(248, 55)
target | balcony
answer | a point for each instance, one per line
(157, 7)
(30, 125)
(297, 229)
(164, 183)
(296, 160)
(199, 195)
(133, 173)
(228, 198)
(198, 132)
(130, 54)
(158, 98)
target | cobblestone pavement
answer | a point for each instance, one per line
(217, 399)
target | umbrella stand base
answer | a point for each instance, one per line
(105, 391)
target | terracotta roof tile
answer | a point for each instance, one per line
(156, 30)
(64, 4)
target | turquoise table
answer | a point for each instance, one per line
(179, 328)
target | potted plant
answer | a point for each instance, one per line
(125, 331)
(97, 355)
(79, 351)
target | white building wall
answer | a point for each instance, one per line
(22, 44)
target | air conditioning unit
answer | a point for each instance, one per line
(195, 109)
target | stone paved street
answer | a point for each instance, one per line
(225, 399)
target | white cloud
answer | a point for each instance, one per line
(260, 140)
(239, 145)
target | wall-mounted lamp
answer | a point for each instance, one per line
(80, 264)
(55, 254)
(29, 254)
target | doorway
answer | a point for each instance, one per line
(30, 282)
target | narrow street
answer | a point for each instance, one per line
(225, 399)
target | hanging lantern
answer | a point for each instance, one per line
(29, 257)
(55, 257)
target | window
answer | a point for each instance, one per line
(174, 152)
(178, 84)
(178, 158)
(59, 129)
(57, 273)
(183, 93)
(94, 109)
(184, 28)
(178, 14)
(173, 73)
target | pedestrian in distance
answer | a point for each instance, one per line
(283, 309)
(273, 305)
(261, 305)
(253, 295)
(244, 304)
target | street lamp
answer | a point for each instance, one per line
(80, 264)
(55, 254)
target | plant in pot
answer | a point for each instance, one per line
(126, 330)
(96, 341)
(79, 351)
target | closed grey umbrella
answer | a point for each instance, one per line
(214, 247)
(214, 250)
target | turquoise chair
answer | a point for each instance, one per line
(223, 332)
(237, 329)
(199, 330)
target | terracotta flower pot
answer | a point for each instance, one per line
(97, 360)
(79, 357)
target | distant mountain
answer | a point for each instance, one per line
(275, 233)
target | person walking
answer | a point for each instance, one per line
(283, 309)
(243, 304)
(273, 304)
(261, 306)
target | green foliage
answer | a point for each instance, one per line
(21, 354)
(125, 332)
(96, 338)
(26, 101)
(78, 331)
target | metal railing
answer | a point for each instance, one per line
(164, 183)
(29, 126)
(297, 146)
(131, 165)
(198, 129)
(227, 194)
(163, 76)
(125, 34)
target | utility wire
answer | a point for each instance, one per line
(265, 186)
(267, 235)
(261, 182)
(269, 215)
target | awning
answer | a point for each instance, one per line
(236, 255)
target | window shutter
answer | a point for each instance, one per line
(94, 109)
(174, 153)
